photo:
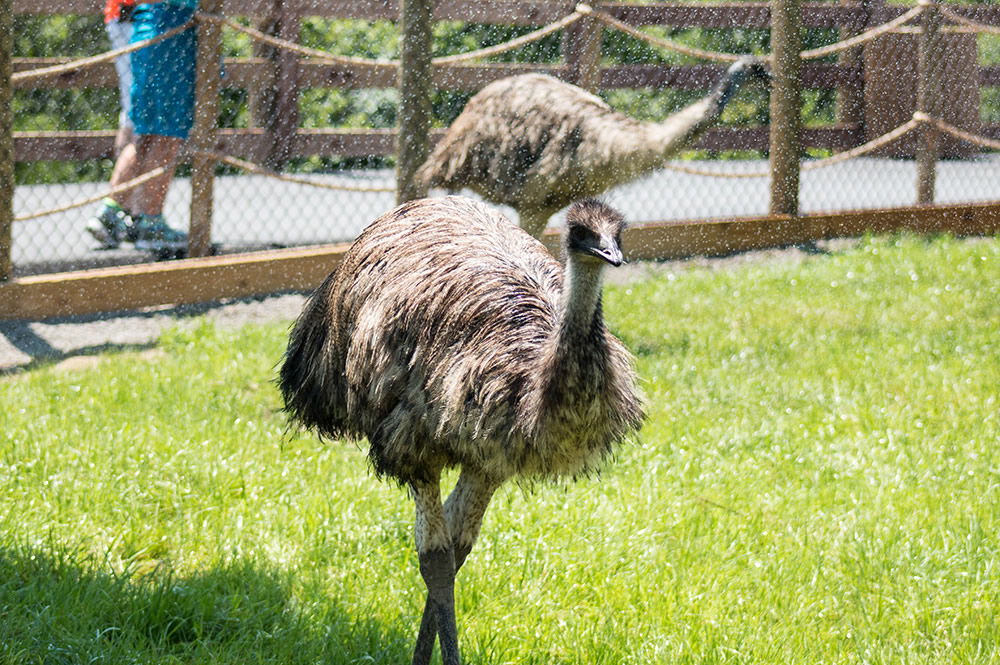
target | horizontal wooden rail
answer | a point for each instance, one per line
(251, 72)
(682, 240)
(330, 142)
(243, 275)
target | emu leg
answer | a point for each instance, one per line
(438, 570)
(437, 567)
(428, 625)
(464, 512)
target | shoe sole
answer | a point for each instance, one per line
(102, 236)
(154, 246)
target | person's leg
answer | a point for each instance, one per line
(152, 152)
(112, 222)
(126, 168)
(120, 34)
(152, 231)
(162, 112)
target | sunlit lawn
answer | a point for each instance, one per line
(818, 482)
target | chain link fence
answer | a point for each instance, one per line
(311, 160)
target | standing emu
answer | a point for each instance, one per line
(537, 144)
(450, 338)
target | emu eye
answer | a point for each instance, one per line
(579, 235)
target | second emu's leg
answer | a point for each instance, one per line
(463, 512)
(437, 565)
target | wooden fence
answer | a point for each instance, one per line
(281, 74)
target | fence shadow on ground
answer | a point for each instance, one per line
(89, 335)
(57, 609)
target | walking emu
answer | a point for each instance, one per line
(537, 144)
(450, 338)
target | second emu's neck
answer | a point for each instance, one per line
(656, 142)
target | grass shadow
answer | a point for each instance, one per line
(60, 606)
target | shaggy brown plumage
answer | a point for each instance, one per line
(444, 337)
(537, 144)
(449, 337)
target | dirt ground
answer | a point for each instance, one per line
(75, 342)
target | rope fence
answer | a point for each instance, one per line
(968, 22)
(257, 169)
(582, 10)
(579, 12)
(236, 162)
(859, 151)
(82, 63)
(110, 193)
(806, 165)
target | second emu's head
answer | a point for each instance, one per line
(747, 70)
(593, 232)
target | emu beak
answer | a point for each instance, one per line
(609, 251)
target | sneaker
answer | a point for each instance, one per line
(111, 225)
(153, 233)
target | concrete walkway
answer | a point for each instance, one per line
(257, 212)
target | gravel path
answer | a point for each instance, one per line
(78, 341)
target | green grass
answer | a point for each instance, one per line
(818, 482)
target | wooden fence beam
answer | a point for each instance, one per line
(242, 275)
(668, 241)
(184, 281)
(334, 141)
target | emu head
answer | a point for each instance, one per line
(593, 232)
(745, 71)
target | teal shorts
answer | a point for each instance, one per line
(163, 74)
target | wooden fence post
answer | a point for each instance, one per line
(415, 87)
(206, 118)
(929, 59)
(263, 93)
(851, 100)
(582, 50)
(283, 123)
(6, 141)
(786, 105)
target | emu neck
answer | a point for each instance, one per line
(639, 148)
(581, 298)
(679, 130)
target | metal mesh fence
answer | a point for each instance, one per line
(335, 184)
